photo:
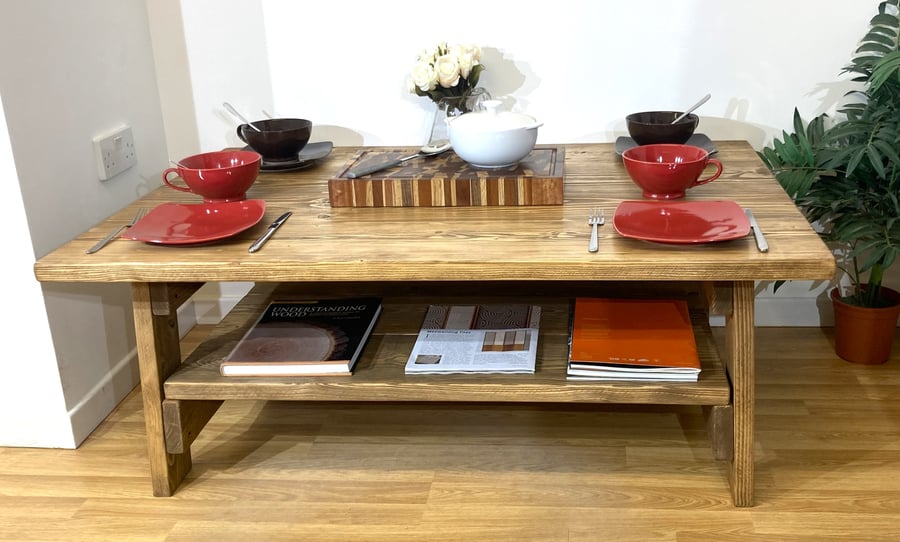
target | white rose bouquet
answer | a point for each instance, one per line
(447, 71)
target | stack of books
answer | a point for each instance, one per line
(488, 338)
(632, 339)
(305, 338)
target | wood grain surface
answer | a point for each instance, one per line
(547, 243)
(379, 374)
(828, 439)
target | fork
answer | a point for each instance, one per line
(103, 242)
(596, 218)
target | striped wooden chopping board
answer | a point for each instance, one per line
(446, 180)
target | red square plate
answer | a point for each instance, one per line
(683, 222)
(182, 224)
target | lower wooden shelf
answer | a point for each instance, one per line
(379, 375)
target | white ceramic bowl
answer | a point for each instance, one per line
(491, 138)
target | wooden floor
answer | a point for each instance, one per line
(827, 469)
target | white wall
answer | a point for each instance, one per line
(31, 395)
(69, 71)
(578, 65)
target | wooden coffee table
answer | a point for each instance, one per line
(416, 255)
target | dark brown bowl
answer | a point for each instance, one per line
(649, 127)
(278, 139)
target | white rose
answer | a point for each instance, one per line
(466, 61)
(427, 55)
(475, 51)
(447, 69)
(424, 77)
(457, 51)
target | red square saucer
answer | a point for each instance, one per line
(181, 224)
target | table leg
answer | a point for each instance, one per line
(159, 355)
(740, 358)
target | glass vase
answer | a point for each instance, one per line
(453, 106)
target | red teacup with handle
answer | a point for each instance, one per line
(219, 176)
(666, 171)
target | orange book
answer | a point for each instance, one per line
(633, 335)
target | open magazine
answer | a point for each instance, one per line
(498, 338)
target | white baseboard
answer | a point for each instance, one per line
(102, 399)
(794, 312)
(807, 309)
(214, 300)
(207, 306)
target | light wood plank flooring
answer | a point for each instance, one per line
(827, 469)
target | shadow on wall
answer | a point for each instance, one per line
(716, 128)
(720, 129)
(339, 135)
(733, 126)
(505, 77)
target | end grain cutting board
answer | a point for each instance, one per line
(446, 180)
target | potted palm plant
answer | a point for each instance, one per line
(844, 174)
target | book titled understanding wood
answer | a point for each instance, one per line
(290, 338)
(632, 339)
(489, 338)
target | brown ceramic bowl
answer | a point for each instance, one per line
(649, 127)
(277, 139)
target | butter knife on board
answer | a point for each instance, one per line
(761, 243)
(269, 231)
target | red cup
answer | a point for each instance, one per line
(218, 176)
(667, 171)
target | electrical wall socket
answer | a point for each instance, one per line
(114, 151)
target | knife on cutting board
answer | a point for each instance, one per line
(761, 243)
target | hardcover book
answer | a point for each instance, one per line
(632, 339)
(290, 338)
(489, 338)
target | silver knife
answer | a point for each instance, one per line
(757, 233)
(271, 229)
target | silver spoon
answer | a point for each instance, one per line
(689, 111)
(429, 149)
(234, 112)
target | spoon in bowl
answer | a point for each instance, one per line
(691, 109)
(431, 148)
(234, 112)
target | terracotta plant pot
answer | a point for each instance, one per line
(865, 335)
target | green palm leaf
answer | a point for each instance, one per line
(847, 177)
